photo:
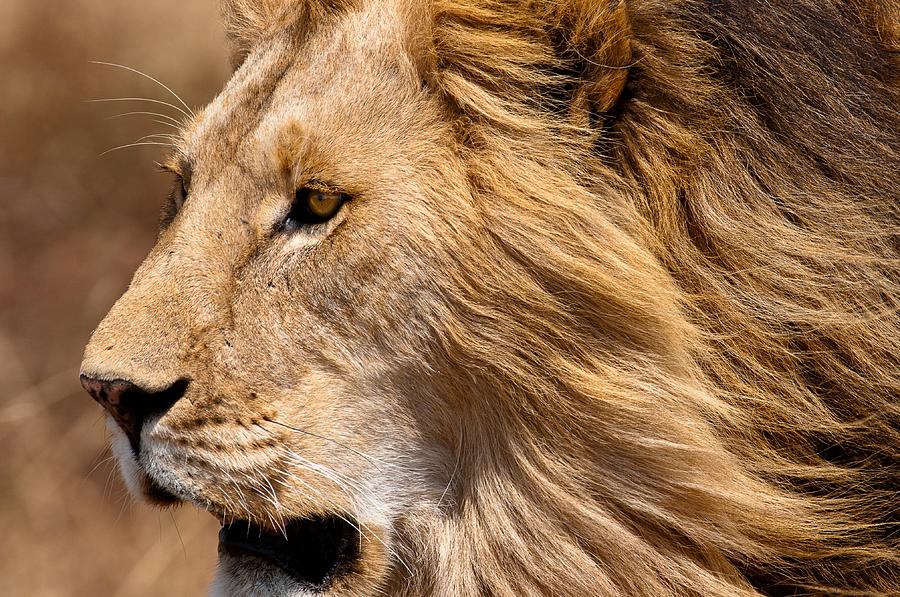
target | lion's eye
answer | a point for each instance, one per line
(179, 192)
(177, 197)
(313, 206)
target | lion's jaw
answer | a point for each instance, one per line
(302, 370)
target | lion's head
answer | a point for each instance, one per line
(474, 297)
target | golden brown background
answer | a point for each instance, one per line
(73, 227)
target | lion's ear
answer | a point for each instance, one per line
(494, 57)
(595, 37)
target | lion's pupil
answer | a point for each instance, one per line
(324, 204)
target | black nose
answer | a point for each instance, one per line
(130, 405)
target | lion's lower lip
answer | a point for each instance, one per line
(312, 551)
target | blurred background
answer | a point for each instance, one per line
(74, 224)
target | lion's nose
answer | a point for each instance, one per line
(130, 405)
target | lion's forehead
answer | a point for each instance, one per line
(234, 113)
(332, 81)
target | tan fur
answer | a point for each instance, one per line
(613, 309)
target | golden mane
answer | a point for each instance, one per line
(704, 272)
(680, 375)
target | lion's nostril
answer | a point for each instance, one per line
(130, 405)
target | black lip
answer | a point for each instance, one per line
(312, 551)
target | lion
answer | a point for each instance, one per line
(529, 297)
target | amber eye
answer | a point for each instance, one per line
(313, 206)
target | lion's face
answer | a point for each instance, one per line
(287, 361)
(479, 297)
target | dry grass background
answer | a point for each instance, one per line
(73, 226)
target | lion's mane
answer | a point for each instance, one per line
(679, 373)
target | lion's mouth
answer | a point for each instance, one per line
(312, 551)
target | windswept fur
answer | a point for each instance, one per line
(659, 349)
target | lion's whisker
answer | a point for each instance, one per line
(263, 480)
(243, 498)
(160, 136)
(330, 474)
(360, 527)
(139, 99)
(278, 507)
(173, 122)
(280, 526)
(334, 441)
(325, 470)
(299, 461)
(455, 469)
(253, 474)
(145, 75)
(171, 139)
(108, 485)
(101, 463)
(178, 532)
(133, 145)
